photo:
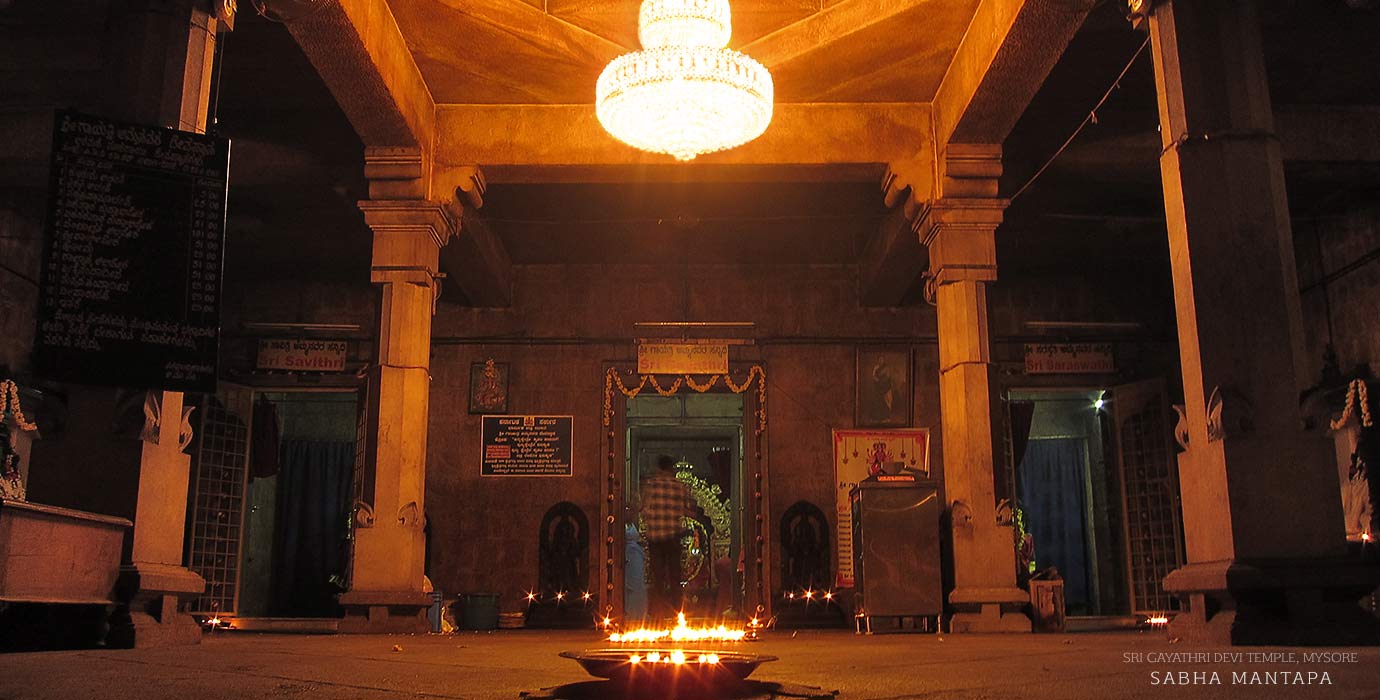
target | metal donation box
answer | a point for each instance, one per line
(896, 549)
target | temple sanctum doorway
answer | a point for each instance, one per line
(711, 429)
(703, 434)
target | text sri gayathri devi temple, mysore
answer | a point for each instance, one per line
(688, 348)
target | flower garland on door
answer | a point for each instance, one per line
(11, 482)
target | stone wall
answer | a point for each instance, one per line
(568, 321)
(1340, 278)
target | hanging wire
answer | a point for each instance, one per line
(1090, 119)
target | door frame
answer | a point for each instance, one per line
(622, 381)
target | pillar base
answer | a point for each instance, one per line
(989, 610)
(385, 612)
(1275, 602)
(149, 612)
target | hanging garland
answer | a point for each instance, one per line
(612, 380)
(1354, 391)
(11, 483)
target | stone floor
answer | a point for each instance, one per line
(501, 664)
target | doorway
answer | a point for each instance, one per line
(274, 482)
(703, 434)
(298, 498)
(1068, 496)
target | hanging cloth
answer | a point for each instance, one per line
(266, 440)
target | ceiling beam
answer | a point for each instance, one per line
(1328, 133)
(357, 48)
(507, 137)
(891, 262)
(547, 34)
(816, 32)
(476, 263)
(1008, 51)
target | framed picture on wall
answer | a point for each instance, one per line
(489, 387)
(884, 385)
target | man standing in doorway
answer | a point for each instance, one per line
(665, 502)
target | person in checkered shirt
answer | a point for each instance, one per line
(665, 501)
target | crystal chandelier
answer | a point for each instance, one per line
(684, 93)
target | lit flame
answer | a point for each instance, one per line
(829, 595)
(809, 594)
(586, 595)
(654, 656)
(1158, 620)
(560, 595)
(682, 632)
(1365, 537)
(677, 657)
(635, 659)
(531, 596)
(214, 622)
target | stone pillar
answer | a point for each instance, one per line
(167, 51)
(959, 231)
(1262, 522)
(385, 593)
(154, 586)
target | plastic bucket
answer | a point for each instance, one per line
(479, 611)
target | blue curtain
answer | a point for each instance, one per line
(1051, 479)
(311, 526)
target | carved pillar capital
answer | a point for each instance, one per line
(961, 237)
(408, 237)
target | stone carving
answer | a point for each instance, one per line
(364, 514)
(184, 431)
(409, 515)
(962, 514)
(153, 410)
(1181, 428)
(804, 547)
(1237, 420)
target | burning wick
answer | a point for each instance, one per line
(709, 658)
(829, 595)
(1158, 620)
(809, 594)
(677, 657)
(654, 656)
(752, 622)
(681, 633)
(531, 596)
(1365, 537)
(560, 595)
(586, 595)
(608, 621)
(635, 659)
(214, 622)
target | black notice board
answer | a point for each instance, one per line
(131, 278)
(525, 446)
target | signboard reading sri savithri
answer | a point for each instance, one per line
(302, 355)
(1069, 358)
(525, 446)
(682, 358)
(131, 277)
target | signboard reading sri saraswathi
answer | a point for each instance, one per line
(525, 446)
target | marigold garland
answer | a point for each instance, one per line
(1354, 391)
(613, 380)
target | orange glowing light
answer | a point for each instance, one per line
(713, 658)
(635, 659)
(608, 621)
(586, 595)
(829, 595)
(214, 622)
(1158, 620)
(1365, 537)
(654, 656)
(810, 594)
(752, 622)
(677, 657)
(682, 632)
(531, 596)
